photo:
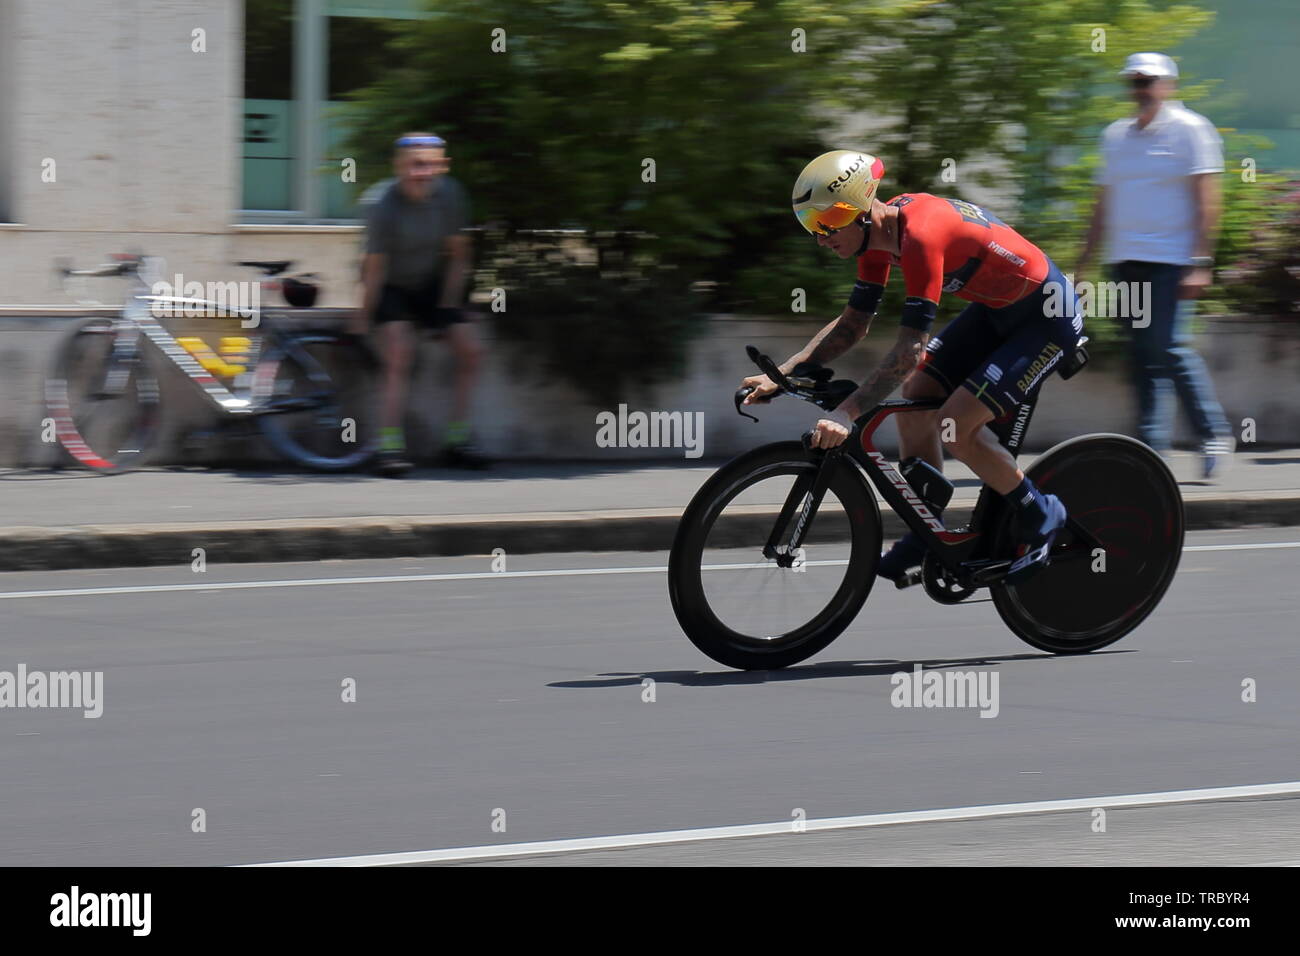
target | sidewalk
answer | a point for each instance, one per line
(73, 519)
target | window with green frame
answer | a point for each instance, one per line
(301, 59)
(268, 156)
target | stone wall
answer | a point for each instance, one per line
(521, 415)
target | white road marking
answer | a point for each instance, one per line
(327, 582)
(785, 828)
(469, 576)
(1242, 547)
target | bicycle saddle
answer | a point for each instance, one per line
(272, 267)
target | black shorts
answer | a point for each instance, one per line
(420, 307)
(1002, 356)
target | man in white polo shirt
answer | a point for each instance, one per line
(1158, 203)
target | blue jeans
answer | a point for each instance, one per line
(1164, 362)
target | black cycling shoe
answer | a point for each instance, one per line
(1038, 543)
(391, 464)
(464, 455)
(906, 554)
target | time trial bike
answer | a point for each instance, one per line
(777, 552)
(308, 391)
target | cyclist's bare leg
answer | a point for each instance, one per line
(468, 353)
(399, 354)
(976, 446)
(917, 435)
(918, 432)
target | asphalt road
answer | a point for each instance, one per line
(520, 699)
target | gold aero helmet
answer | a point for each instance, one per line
(834, 189)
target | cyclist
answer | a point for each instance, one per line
(1021, 320)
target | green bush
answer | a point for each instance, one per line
(681, 120)
(592, 314)
(730, 100)
(1258, 254)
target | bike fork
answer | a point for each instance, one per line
(805, 497)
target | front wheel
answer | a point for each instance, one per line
(315, 394)
(103, 398)
(1123, 495)
(748, 611)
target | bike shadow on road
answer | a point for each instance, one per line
(818, 671)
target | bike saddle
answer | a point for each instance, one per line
(299, 294)
(272, 267)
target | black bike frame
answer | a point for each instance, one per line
(952, 548)
(956, 546)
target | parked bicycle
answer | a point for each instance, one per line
(309, 392)
(758, 575)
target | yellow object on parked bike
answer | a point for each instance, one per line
(210, 360)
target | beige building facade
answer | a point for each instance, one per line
(122, 129)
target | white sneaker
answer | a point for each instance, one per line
(1216, 456)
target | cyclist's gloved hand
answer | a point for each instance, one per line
(831, 430)
(763, 389)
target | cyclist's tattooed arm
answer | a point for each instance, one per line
(896, 366)
(834, 340)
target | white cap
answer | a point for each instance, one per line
(1149, 64)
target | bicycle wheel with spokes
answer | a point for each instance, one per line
(1123, 494)
(103, 401)
(752, 612)
(325, 384)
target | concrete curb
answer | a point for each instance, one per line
(316, 539)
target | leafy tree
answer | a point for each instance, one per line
(555, 131)
(1011, 94)
(562, 127)
(684, 123)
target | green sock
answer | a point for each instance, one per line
(456, 433)
(391, 438)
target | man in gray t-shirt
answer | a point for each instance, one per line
(417, 261)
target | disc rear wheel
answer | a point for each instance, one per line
(1124, 496)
